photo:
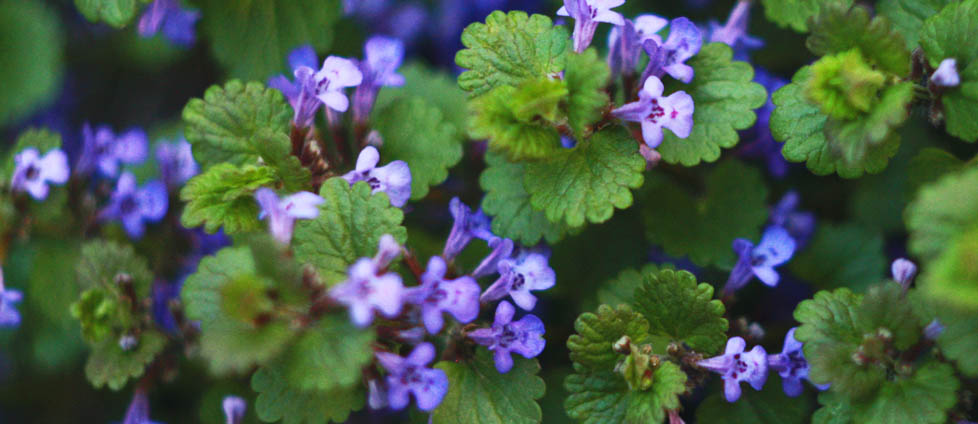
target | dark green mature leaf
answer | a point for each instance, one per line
(703, 226)
(621, 289)
(767, 406)
(923, 398)
(846, 255)
(835, 409)
(800, 125)
(603, 397)
(725, 97)
(908, 16)
(223, 196)
(42, 139)
(478, 394)
(516, 119)
(796, 13)
(597, 332)
(949, 34)
(509, 49)
(586, 77)
(437, 88)
(117, 13)
(509, 204)
(941, 212)
(253, 38)
(929, 165)
(109, 365)
(102, 261)
(416, 132)
(959, 341)
(679, 309)
(329, 356)
(224, 126)
(841, 28)
(588, 182)
(278, 400)
(31, 64)
(348, 227)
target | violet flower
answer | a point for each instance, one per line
(466, 226)
(313, 88)
(234, 409)
(903, 271)
(103, 151)
(654, 112)
(946, 74)
(791, 365)
(382, 57)
(775, 248)
(393, 178)
(176, 23)
(800, 224)
(282, 213)
(625, 42)
(518, 276)
(410, 375)
(500, 249)
(336, 74)
(9, 316)
(176, 162)
(586, 15)
(734, 32)
(134, 206)
(33, 172)
(735, 366)
(436, 295)
(524, 337)
(138, 412)
(683, 43)
(759, 143)
(367, 289)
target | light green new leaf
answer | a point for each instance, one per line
(516, 120)
(223, 196)
(109, 365)
(278, 400)
(509, 204)
(941, 212)
(908, 16)
(586, 76)
(796, 13)
(847, 255)
(768, 406)
(855, 138)
(117, 13)
(31, 63)
(102, 261)
(681, 310)
(478, 394)
(841, 28)
(592, 346)
(950, 34)
(952, 278)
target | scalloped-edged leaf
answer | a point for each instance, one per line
(959, 340)
(478, 394)
(416, 132)
(223, 126)
(725, 96)
(621, 289)
(922, 398)
(586, 76)
(438, 88)
(952, 278)
(941, 212)
(109, 365)
(280, 401)
(588, 182)
(767, 406)
(730, 204)
(508, 49)
(929, 165)
(838, 29)
(908, 16)
(516, 119)
(950, 34)
(795, 13)
(329, 355)
(101, 261)
(348, 227)
(117, 13)
(597, 332)
(42, 139)
(854, 138)
(679, 309)
(847, 255)
(800, 125)
(509, 204)
(31, 68)
(223, 197)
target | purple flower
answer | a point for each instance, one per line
(382, 57)
(138, 412)
(586, 15)
(903, 271)
(282, 213)
(176, 162)
(735, 366)
(683, 43)
(133, 205)
(524, 337)
(33, 172)
(518, 276)
(791, 365)
(625, 42)
(411, 375)
(734, 32)
(366, 290)
(177, 23)
(674, 112)
(946, 74)
(800, 224)
(234, 409)
(313, 88)
(303, 55)
(776, 248)
(336, 74)
(393, 178)
(436, 295)
(501, 249)
(760, 143)
(9, 317)
(103, 151)
(933, 330)
(466, 226)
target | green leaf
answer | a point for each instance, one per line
(252, 39)
(768, 406)
(275, 151)
(908, 16)
(42, 139)
(959, 341)
(437, 88)
(102, 261)
(117, 13)
(416, 132)
(729, 204)
(348, 227)
(725, 97)
(586, 76)
(278, 400)
(509, 204)
(800, 125)
(329, 356)
(31, 65)
(515, 119)
(923, 398)
(109, 365)
(223, 196)
(679, 309)
(796, 13)
(952, 278)
(929, 165)
(588, 182)
(621, 289)
(839, 29)
(591, 347)
(224, 126)
(949, 34)
(510, 49)
(941, 212)
(876, 128)
(847, 255)
(835, 409)
(478, 394)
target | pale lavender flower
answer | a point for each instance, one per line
(791, 365)
(176, 162)
(382, 57)
(393, 178)
(524, 337)
(138, 412)
(376, 394)
(387, 250)
(735, 366)
(312, 88)
(500, 249)
(410, 375)
(903, 271)
(467, 225)
(654, 112)
(133, 206)
(625, 42)
(436, 295)
(365, 291)
(799, 224)
(104, 152)
(586, 15)
(734, 32)
(518, 276)
(683, 43)
(33, 172)
(933, 330)
(775, 248)
(336, 74)
(282, 213)
(9, 316)
(946, 74)
(176, 23)
(234, 409)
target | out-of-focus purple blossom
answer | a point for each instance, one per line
(411, 375)
(625, 42)
(382, 57)
(163, 293)
(684, 42)
(138, 412)
(800, 224)
(365, 291)
(587, 14)
(933, 330)
(529, 271)
(282, 213)
(466, 226)
(791, 365)
(775, 248)
(393, 178)
(376, 394)
(9, 316)
(567, 142)
(734, 32)
(903, 271)
(103, 151)
(177, 23)
(304, 106)
(176, 162)
(946, 74)
(501, 249)
(234, 409)
(524, 337)
(133, 206)
(654, 112)
(735, 366)
(759, 143)
(33, 172)
(436, 295)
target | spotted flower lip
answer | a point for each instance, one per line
(393, 178)
(365, 291)
(410, 375)
(505, 336)
(33, 172)
(282, 213)
(587, 14)
(134, 205)
(518, 276)
(735, 366)
(776, 247)
(436, 295)
(791, 365)
(655, 112)
(336, 74)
